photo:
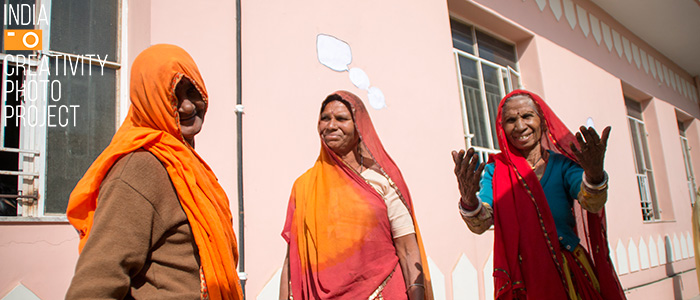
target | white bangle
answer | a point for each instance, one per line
(596, 187)
(468, 214)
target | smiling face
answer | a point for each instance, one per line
(521, 123)
(191, 108)
(337, 129)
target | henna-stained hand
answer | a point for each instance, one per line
(591, 152)
(468, 171)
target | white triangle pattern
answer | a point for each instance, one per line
(583, 20)
(589, 23)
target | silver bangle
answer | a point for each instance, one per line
(415, 284)
(596, 187)
(468, 214)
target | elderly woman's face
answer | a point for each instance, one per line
(191, 108)
(521, 123)
(337, 129)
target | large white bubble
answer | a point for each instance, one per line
(333, 53)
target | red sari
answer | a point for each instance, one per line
(339, 235)
(528, 260)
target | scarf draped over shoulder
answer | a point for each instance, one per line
(153, 124)
(337, 227)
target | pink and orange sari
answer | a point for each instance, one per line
(340, 243)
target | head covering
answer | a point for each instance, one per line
(337, 226)
(527, 255)
(153, 124)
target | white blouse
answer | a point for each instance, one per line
(399, 217)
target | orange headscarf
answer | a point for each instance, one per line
(339, 235)
(153, 124)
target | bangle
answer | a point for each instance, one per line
(416, 284)
(596, 187)
(468, 214)
(468, 207)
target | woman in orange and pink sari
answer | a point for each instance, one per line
(350, 225)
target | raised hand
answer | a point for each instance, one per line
(468, 171)
(591, 154)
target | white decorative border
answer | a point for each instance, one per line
(635, 55)
(652, 251)
(637, 254)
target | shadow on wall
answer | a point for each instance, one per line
(677, 283)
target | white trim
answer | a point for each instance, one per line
(41, 141)
(43, 219)
(123, 92)
(2, 105)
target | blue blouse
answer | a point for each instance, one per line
(561, 183)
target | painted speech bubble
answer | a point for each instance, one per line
(333, 53)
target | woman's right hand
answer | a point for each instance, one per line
(468, 171)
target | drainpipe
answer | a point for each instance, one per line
(239, 151)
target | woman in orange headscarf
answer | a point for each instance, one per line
(350, 225)
(153, 220)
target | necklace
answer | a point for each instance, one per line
(362, 160)
(534, 166)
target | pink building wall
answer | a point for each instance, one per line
(40, 256)
(406, 50)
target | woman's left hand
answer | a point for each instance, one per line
(411, 266)
(591, 154)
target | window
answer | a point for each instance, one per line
(642, 161)
(688, 164)
(487, 68)
(58, 121)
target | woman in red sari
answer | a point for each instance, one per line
(528, 193)
(350, 224)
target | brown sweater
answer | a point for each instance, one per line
(141, 245)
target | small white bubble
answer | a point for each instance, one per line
(376, 98)
(589, 123)
(359, 78)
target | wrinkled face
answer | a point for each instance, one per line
(521, 123)
(191, 108)
(337, 128)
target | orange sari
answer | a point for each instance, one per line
(337, 227)
(154, 125)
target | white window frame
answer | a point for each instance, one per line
(690, 175)
(32, 146)
(33, 139)
(648, 198)
(504, 72)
